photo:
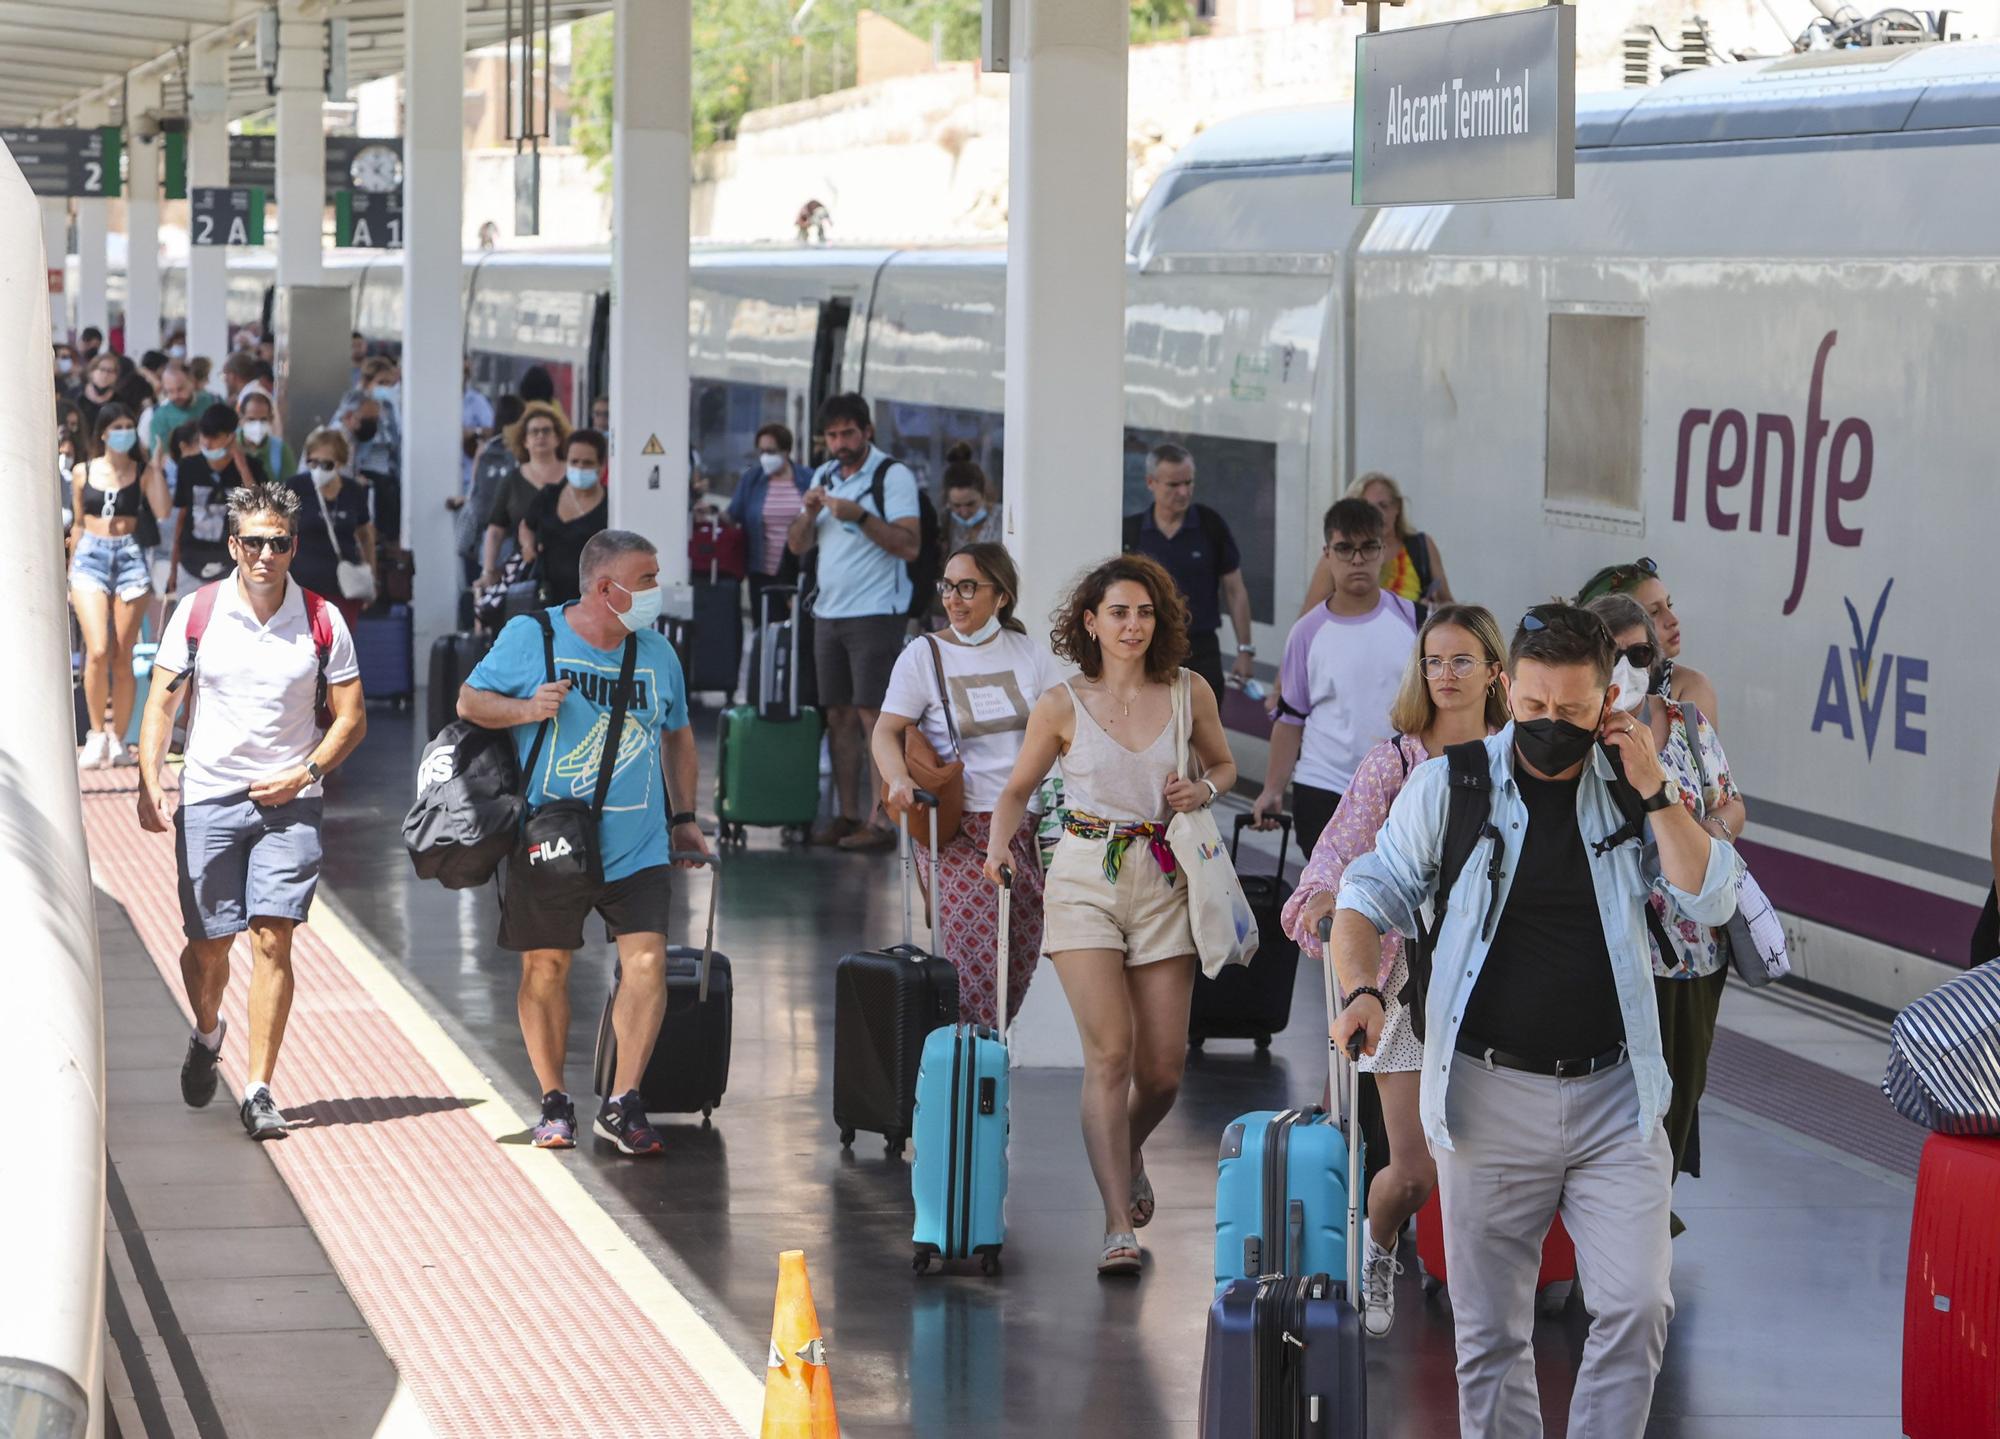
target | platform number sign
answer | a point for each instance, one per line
(226, 215)
(81, 161)
(368, 220)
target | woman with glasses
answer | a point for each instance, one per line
(1450, 695)
(1690, 961)
(969, 689)
(1640, 580)
(537, 441)
(333, 524)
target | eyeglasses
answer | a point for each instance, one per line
(540, 432)
(1348, 554)
(276, 544)
(1459, 665)
(1640, 656)
(967, 590)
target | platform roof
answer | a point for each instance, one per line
(58, 54)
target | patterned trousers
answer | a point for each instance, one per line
(970, 916)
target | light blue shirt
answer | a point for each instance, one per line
(1388, 885)
(633, 832)
(857, 576)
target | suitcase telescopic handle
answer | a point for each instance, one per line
(1350, 1118)
(905, 848)
(1000, 964)
(1244, 821)
(714, 862)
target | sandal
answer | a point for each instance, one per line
(1142, 1198)
(1121, 1254)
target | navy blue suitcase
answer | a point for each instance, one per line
(1285, 1360)
(959, 1176)
(716, 650)
(385, 652)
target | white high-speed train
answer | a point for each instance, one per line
(1757, 346)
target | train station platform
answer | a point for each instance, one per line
(405, 1264)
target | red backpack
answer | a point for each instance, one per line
(319, 617)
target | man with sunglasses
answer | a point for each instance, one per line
(265, 661)
(1344, 661)
(1544, 1085)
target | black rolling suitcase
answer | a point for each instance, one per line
(885, 1002)
(453, 657)
(1286, 1356)
(1254, 1000)
(689, 1067)
(717, 644)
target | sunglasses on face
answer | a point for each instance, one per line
(255, 544)
(1640, 656)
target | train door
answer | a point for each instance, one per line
(598, 374)
(829, 354)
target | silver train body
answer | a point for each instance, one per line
(1758, 346)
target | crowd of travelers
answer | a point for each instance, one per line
(1572, 986)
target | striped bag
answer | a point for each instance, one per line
(1944, 1056)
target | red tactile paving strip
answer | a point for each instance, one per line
(499, 1320)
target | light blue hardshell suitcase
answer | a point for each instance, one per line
(1281, 1196)
(959, 1176)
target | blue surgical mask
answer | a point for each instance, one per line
(985, 632)
(645, 608)
(975, 519)
(121, 440)
(215, 457)
(384, 392)
(581, 477)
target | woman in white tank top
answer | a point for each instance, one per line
(1115, 920)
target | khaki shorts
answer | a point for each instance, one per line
(1144, 915)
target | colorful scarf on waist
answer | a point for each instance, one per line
(1118, 836)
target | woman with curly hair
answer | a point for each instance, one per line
(1115, 912)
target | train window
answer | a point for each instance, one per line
(1595, 408)
(723, 420)
(920, 436)
(1238, 479)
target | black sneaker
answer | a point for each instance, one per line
(198, 1069)
(557, 1127)
(260, 1117)
(623, 1122)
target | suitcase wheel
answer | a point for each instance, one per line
(1195, 1045)
(846, 1138)
(1552, 1300)
(921, 1260)
(894, 1142)
(705, 1112)
(1431, 1284)
(795, 834)
(1263, 1044)
(989, 1263)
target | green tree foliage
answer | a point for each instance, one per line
(746, 55)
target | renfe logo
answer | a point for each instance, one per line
(547, 850)
(1873, 680)
(1733, 446)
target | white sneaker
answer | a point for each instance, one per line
(116, 756)
(1379, 1269)
(92, 755)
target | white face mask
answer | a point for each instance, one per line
(1632, 684)
(256, 431)
(645, 608)
(772, 463)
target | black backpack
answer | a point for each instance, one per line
(1467, 820)
(928, 565)
(467, 816)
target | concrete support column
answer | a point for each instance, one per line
(208, 164)
(650, 125)
(1065, 391)
(142, 220)
(55, 251)
(433, 318)
(93, 304)
(301, 84)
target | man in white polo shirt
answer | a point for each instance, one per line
(277, 704)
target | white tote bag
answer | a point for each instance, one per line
(1225, 931)
(356, 581)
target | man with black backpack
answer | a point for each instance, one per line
(1544, 1086)
(870, 536)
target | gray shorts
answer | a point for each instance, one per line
(240, 861)
(853, 658)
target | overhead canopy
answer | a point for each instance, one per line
(58, 54)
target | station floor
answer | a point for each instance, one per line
(405, 1264)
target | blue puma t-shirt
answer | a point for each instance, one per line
(633, 832)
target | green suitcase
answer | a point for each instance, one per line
(767, 771)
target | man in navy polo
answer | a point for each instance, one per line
(1195, 545)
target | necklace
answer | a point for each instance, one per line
(1125, 703)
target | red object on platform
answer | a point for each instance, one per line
(717, 552)
(1951, 1306)
(1558, 1250)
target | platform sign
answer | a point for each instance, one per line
(72, 161)
(226, 215)
(1481, 109)
(368, 220)
(253, 159)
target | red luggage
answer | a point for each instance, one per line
(1951, 1307)
(717, 551)
(1552, 1285)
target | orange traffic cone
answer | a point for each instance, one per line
(798, 1389)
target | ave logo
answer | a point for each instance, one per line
(549, 849)
(1855, 686)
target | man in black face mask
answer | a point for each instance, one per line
(1543, 1082)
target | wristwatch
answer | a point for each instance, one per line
(1669, 793)
(313, 769)
(1246, 649)
(686, 816)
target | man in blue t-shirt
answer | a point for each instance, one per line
(654, 771)
(862, 601)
